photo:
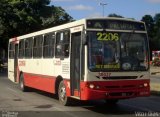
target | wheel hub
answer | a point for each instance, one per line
(62, 93)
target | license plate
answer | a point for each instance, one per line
(124, 94)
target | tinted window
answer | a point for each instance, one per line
(21, 49)
(28, 47)
(11, 50)
(48, 45)
(62, 44)
(120, 51)
(37, 47)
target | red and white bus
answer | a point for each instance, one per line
(88, 59)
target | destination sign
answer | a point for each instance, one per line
(115, 25)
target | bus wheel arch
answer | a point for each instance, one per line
(22, 82)
(57, 82)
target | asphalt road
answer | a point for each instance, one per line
(15, 103)
(155, 79)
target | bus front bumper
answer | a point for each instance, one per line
(115, 89)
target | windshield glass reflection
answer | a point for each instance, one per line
(117, 51)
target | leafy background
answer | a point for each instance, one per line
(18, 17)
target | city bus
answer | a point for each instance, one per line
(88, 59)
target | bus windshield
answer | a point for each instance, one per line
(117, 51)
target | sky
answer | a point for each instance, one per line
(136, 9)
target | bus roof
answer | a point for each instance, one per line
(69, 25)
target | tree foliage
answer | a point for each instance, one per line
(153, 28)
(115, 15)
(18, 17)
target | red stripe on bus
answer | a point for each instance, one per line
(40, 82)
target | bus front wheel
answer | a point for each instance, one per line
(63, 99)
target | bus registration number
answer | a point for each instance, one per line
(104, 74)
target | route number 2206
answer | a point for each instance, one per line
(107, 36)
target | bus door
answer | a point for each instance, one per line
(12, 61)
(75, 63)
(15, 62)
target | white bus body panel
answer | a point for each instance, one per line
(11, 69)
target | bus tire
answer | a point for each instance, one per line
(22, 84)
(63, 99)
(111, 101)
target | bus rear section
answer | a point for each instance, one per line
(12, 59)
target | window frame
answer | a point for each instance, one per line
(37, 46)
(49, 46)
(21, 50)
(11, 50)
(29, 48)
(61, 42)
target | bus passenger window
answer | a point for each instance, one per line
(48, 45)
(11, 50)
(37, 46)
(21, 49)
(28, 47)
(62, 44)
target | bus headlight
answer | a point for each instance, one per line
(145, 84)
(91, 86)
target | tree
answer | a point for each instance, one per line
(157, 19)
(149, 24)
(115, 15)
(7, 24)
(153, 28)
(37, 14)
(18, 17)
(150, 29)
(54, 16)
(157, 30)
